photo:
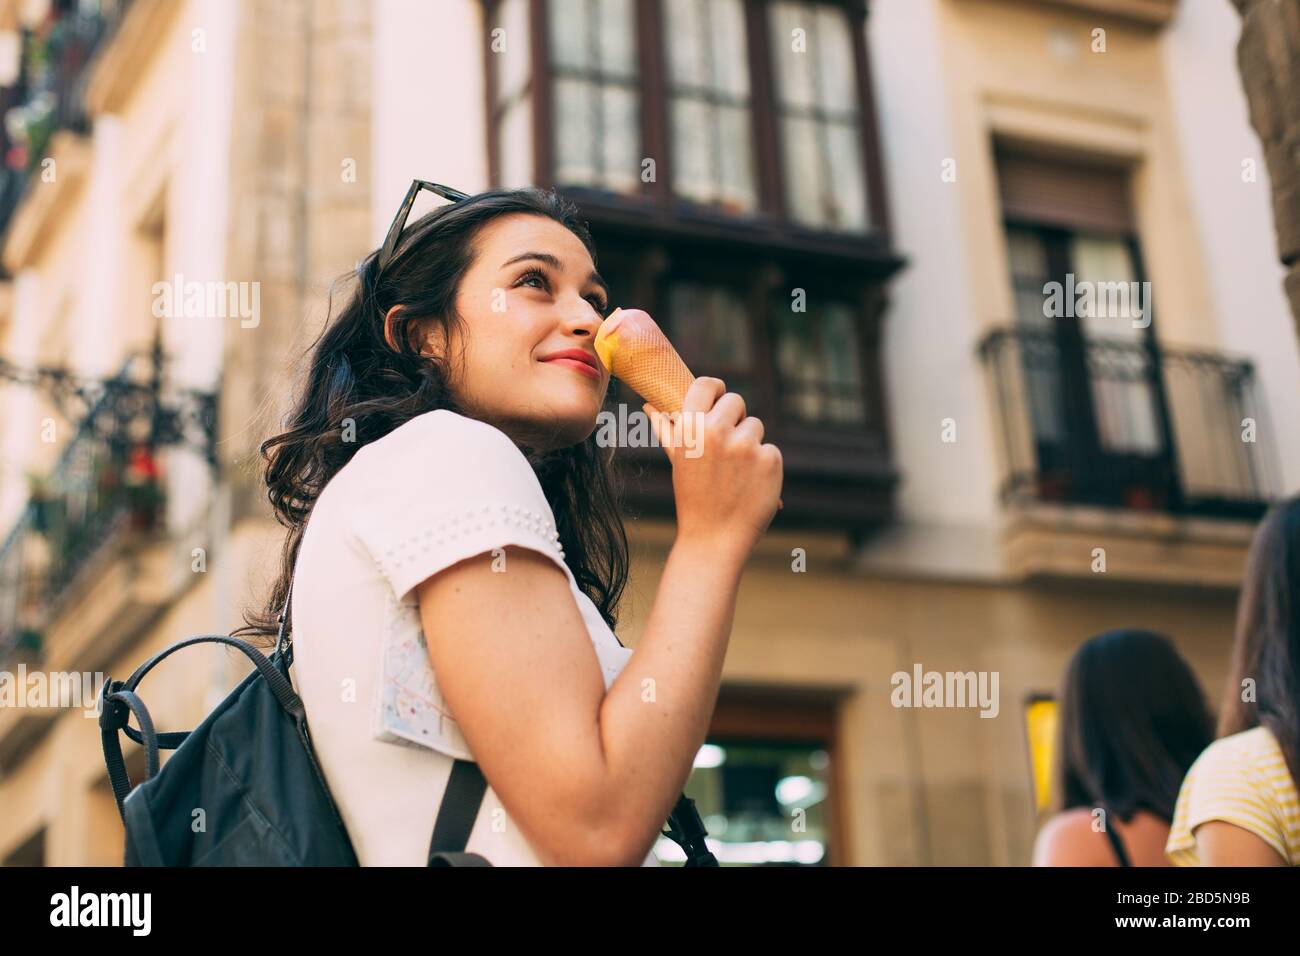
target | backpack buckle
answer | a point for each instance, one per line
(113, 714)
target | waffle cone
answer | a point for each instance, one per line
(636, 350)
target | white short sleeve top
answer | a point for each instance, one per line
(438, 489)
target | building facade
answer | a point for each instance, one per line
(850, 212)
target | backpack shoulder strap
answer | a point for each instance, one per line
(284, 639)
(460, 805)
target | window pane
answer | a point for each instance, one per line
(709, 108)
(798, 363)
(1105, 262)
(616, 50)
(597, 121)
(812, 49)
(1027, 256)
(570, 33)
(710, 328)
(730, 53)
(619, 140)
(794, 69)
(712, 155)
(818, 362)
(575, 144)
(802, 169)
(840, 356)
(1028, 259)
(692, 168)
(686, 43)
(1039, 360)
(591, 37)
(737, 159)
(833, 57)
(1123, 402)
(844, 196)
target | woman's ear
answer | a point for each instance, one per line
(420, 334)
(390, 324)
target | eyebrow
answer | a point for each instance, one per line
(554, 263)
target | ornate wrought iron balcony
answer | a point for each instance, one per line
(44, 90)
(106, 481)
(1129, 424)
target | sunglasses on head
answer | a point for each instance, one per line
(404, 212)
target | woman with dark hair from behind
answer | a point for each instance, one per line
(1132, 720)
(1238, 806)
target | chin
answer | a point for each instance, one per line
(564, 423)
(573, 425)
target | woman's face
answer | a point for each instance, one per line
(532, 292)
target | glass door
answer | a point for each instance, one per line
(1092, 367)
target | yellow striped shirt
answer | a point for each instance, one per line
(1243, 780)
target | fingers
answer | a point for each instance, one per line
(751, 429)
(729, 410)
(703, 394)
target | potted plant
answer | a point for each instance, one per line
(144, 493)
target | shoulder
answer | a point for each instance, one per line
(437, 489)
(1240, 779)
(442, 454)
(440, 433)
(1069, 839)
(1250, 752)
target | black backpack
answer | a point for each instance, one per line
(249, 776)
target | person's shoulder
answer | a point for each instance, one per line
(437, 432)
(1250, 750)
(1068, 838)
(441, 448)
(1234, 774)
(1239, 779)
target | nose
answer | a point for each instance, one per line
(581, 319)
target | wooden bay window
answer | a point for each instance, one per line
(724, 155)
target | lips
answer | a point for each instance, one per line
(579, 359)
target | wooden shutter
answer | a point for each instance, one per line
(1064, 193)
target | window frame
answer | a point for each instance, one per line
(658, 197)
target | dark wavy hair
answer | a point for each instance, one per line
(1132, 722)
(354, 374)
(1267, 644)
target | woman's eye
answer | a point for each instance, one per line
(537, 280)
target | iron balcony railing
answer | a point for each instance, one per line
(1128, 423)
(48, 92)
(106, 481)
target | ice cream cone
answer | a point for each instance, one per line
(636, 350)
(633, 347)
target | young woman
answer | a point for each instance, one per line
(1132, 720)
(1238, 806)
(457, 555)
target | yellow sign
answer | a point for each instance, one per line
(1040, 727)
